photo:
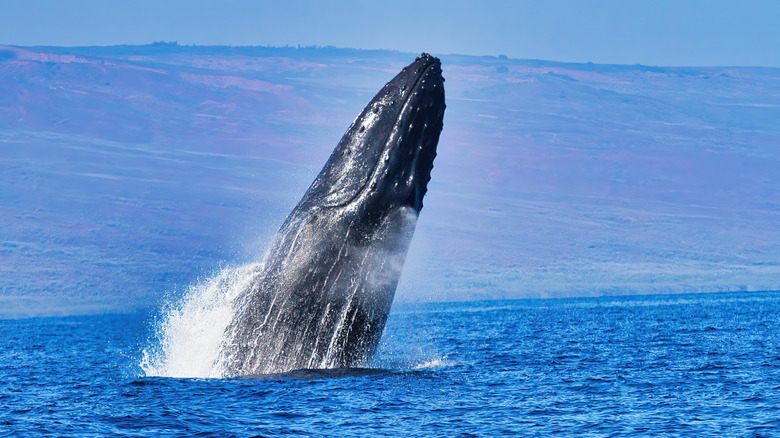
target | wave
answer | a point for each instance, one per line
(191, 331)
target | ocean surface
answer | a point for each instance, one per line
(663, 365)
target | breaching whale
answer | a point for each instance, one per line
(323, 292)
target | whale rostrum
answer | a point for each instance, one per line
(323, 292)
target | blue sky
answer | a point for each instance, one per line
(658, 32)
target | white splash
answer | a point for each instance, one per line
(190, 333)
(433, 363)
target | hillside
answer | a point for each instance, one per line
(130, 172)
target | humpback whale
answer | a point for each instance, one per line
(320, 298)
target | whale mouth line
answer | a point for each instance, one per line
(373, 172)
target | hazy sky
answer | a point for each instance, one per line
(652, 32)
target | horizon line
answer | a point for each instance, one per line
(500, 57)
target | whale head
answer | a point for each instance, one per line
(385, 158)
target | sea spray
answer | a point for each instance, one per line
(323, 298)
(191, 330)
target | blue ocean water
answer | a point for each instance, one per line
(663, 365)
